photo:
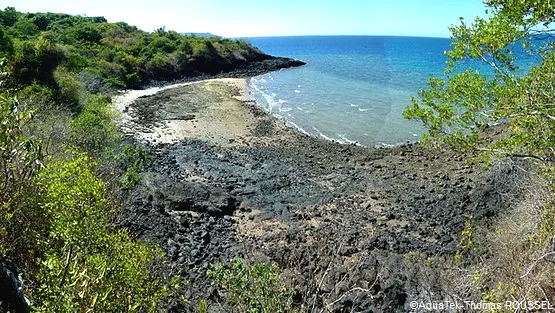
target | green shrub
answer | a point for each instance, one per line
(252, 288)
(36, 95)
(35, 60)
(20, 158)
(133, 160)
(93, 130)
(160, 66)
(89, 265)
(24, 28)
(6, 44)
(132, 80)
(69, 90)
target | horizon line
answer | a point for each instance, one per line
(272, 36)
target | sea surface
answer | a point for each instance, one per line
(353, 89)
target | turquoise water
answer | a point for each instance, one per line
(353, 89)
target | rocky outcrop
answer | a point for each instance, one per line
(213, 63)
(351, 227)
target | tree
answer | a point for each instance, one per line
(9, 16)
(6, 45)
(457, 109)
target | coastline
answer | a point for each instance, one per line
(174, 128)
(229, 179)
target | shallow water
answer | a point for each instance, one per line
(353, 88)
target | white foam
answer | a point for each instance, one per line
(298, 128)
(346, 140)
(322, 135)
(363, 110)
(297, 91)
(269, 99)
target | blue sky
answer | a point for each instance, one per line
(244, 18)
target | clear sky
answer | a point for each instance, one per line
(247, 18)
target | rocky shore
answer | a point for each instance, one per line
(353, 228)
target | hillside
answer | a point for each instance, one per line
(115, 54)
(66, 169)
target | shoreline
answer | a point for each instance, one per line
(175, 130)
(170, 130)
(241, 183)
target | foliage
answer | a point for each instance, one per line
(19, 155)
(6, 44)
(35, 60)
(9, 16)
(92, 129)
(126, 56)
(456, 109)
(68, 91)
(89, 266)
(63, 162)
(252, 288)
(134, 161)
(501, 109)
(20, 158)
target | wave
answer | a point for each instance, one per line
(297, 91)
(322, 135)
(347, 141)
(269, 99)
(289, 123)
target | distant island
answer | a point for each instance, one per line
(203, 35)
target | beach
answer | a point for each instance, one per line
(227, 179)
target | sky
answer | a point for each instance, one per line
(251, 18)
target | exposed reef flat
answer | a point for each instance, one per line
(229, 180)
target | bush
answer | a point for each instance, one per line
(69, 90)
(36, 96)
(133, 160)
(252, 288)
(20, 158)
(89, 266)
(160, 66)
(93, 129)
(132, 80)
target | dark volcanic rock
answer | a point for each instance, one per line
(341, 221)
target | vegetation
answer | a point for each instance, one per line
(503, 111)
(252, 288)
(456, 109)
(64, 165)
(91, 53)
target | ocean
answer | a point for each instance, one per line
(353, 89)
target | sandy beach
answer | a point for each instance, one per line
(215, 110)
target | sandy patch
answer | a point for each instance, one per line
(223, 117)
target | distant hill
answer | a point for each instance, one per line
(117, 55)
(202, 35)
